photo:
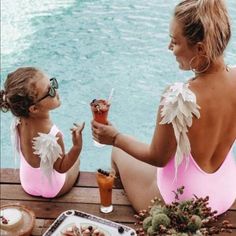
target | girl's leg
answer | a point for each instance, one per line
(138, 178)
(71, 177)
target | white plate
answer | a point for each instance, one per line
(81, 218)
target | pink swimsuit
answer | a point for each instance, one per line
(179, 105)
(220, 186)
(34, 182)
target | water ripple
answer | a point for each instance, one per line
(92, 46)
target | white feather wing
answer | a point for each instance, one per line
(178, 108)
(47, 148)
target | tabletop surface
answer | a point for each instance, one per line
(84, 197)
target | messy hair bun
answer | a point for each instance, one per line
(205, 21)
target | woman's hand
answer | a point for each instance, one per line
(105, 134)
(77, 134)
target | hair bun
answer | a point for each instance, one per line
(4, 106)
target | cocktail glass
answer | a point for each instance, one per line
(100, 109)
(105, 180)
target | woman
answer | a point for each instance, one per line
(195, 128)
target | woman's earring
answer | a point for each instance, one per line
(202, 68)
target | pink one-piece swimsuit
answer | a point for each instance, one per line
(220, 186)
(34, 182)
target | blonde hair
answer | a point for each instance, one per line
(19, 91)
(205, 21)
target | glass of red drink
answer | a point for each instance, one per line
(100, 109)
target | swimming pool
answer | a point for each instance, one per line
(92, 46)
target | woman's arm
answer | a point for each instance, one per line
(158, 153)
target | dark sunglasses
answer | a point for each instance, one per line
(51, 91)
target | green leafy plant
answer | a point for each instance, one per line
(180, 218)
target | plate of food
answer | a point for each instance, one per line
(84, 229)
(77, 223)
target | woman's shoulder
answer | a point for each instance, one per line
(232, 66)
(179, 104)
(233, 70)
(233, 84)
(179, 90)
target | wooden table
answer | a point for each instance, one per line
(83, 197)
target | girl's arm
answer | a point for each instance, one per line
(63, 164)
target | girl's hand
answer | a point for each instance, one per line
(77, 134)
(104, 134)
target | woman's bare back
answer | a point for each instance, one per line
(212, 135)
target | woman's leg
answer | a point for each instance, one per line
(71, 177)
(138, 178)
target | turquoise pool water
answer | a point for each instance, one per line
(92, 46)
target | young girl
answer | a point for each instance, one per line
(45, 169)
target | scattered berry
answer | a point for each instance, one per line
(121, 230)
(106, 173)
(4, 220)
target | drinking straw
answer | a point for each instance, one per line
(110, 96)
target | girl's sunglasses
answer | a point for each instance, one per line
(51, 91)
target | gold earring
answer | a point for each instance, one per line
(204, 69)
